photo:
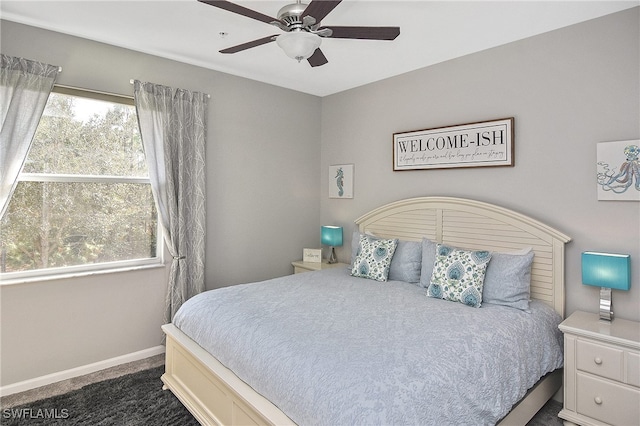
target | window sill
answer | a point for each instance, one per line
(64, 276)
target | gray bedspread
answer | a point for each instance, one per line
(331, 349)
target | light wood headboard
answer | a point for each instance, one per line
(477, 225)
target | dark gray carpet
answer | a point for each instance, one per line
(548, 415)
(133, 400)
(138, 400)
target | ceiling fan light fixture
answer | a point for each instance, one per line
(299, 45)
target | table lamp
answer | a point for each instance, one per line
(331, 236)
(607, 271)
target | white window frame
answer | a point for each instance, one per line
(92, 268)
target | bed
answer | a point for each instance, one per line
(330, 385)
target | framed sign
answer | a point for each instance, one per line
(485, 144)
(312, 255)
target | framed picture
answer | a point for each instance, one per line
(484, 144)
(341, 181)
(618, 170)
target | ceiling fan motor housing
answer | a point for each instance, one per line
(290, 15)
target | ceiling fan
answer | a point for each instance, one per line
(302, 31)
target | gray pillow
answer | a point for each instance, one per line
(428, 260)
(507, 281)
(406, 261)
(355, 245)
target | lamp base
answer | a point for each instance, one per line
(606, 311)
(332, 256)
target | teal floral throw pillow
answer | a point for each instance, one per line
(374, 258)
(458, 275)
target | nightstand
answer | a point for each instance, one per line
(299, 266)
(601, 371)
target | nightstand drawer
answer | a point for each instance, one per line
(607, 401)
(601, 360)
(299, 270)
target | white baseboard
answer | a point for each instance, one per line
(79, 371)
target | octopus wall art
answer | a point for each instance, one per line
(618, 170)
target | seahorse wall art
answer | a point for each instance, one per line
(340, 181)
(618, 173)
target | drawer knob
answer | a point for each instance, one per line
(598, 400)
(597, 360)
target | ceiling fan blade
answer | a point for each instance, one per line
(249, 44)
(317, 58)
(240, 10)
(320, 8)
(365, 33)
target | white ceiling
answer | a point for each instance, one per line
(189, 31)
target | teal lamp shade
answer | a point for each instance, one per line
(607, 271)
(331, 236)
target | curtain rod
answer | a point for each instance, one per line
(82, 92)
(132, 80)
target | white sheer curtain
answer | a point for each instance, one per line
(24, 89)
(173, 128)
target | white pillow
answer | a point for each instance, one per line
(458, 275)
(374, 258)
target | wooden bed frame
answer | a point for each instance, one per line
(216, 396)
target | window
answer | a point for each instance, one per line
(83, 199)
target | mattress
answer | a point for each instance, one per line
(331, 349)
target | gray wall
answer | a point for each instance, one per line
(262, 207)
(567, 90)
